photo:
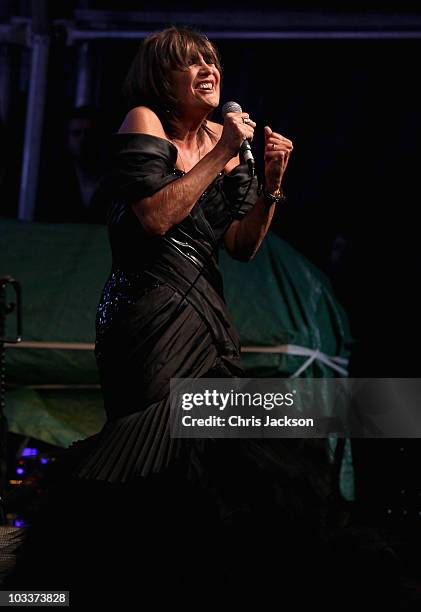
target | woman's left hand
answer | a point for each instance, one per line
(277, 152)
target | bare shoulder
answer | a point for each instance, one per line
(143, 120)
(217, 130)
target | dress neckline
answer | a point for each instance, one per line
(182, 172)
(171, 145)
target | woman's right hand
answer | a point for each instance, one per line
(235, 131)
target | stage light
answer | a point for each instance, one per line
(29, 452)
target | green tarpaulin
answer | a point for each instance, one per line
(279, 302)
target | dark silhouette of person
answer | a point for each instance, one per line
(70, 176)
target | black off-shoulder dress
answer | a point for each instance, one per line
(162, 313)
(135, 511)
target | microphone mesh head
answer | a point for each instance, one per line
(231, 107)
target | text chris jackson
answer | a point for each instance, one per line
(239, 421)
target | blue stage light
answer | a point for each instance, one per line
(29, 452)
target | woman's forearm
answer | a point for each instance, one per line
(171, 204)
(247, 235)
(244, 237)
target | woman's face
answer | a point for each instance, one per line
(198, 86)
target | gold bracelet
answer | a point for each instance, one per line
(274, 198)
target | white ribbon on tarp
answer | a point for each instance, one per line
(335, 363)
(338, 364)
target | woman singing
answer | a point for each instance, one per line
(185, 509)
(175, 192)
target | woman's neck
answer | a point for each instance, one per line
(186, 131)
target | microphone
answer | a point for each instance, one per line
(245, 149)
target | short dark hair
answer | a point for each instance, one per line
(148, 82)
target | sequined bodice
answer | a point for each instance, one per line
(121, 289)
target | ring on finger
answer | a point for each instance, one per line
(274, 147)
(246, 120)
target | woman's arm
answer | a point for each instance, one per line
(243, 238)
(171, 204)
